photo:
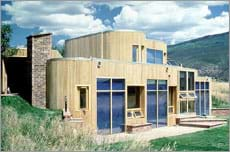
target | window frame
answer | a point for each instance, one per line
(77, 98)
(185, 78)
(191, 83)
(154, 57)
(135, 49)
(137, 97)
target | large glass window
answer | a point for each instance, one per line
(151, 84)
(110, 98)
(190, 80)
(202, 100)
(118, 84)
(206, 85)
(183, 106)
(197, 85)
(159, 57)
(150, 56)
(191, 106)
(103, 84)
(134, 53)
(202, 85)
(162, 108)
(133, 97)
(162, 85)
(154, 56)
(157, 90)
(182, 80)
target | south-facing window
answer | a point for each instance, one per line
(154, 56)
(133, 97)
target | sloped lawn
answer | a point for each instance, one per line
(215, 139)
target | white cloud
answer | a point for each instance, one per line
(61, 42)
(107, 22)
(172, 21)
(21, 46)
(60, 18)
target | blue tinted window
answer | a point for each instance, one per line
(206, 85)
(152, 108)
(197, 85)
(151, 85)
(162, 108)
(150, 56)
(103, 112)
(118, 111)
(197, 102)
(183, 80)
(134, 59)
(202, 103)
(103, 84)
(202, 85)
(159, 57)
(162, 85)
(118, 84)
(207, 102)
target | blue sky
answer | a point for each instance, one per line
(172, 22)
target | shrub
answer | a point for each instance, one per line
(218, 103)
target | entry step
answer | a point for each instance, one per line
(134, 128)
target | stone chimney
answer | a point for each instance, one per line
(38, 47)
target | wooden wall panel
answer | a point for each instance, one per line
(116, 45)
(65, 74)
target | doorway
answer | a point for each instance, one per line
(172, 100)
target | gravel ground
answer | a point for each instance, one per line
(147, 135)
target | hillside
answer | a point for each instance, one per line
(208, 54)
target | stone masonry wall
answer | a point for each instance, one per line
(39, 47)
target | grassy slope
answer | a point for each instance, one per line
(23, 107)
(27, 128)
(216, 139)
(208, 54)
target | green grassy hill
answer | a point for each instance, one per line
(208, 54)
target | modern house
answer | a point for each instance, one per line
(119, 81)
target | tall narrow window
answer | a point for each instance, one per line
(159, 57)
(83, 96)
(190, 80)
(182, 80)
(134, 53)
(191, 106)
(183, 106)
(150, 56)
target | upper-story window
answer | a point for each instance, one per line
(134, 53)
(183, 80)
(190, 80)
(154, 56)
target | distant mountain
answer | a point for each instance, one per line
(208, 54)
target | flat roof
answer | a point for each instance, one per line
(120, 30)
(38, 35)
